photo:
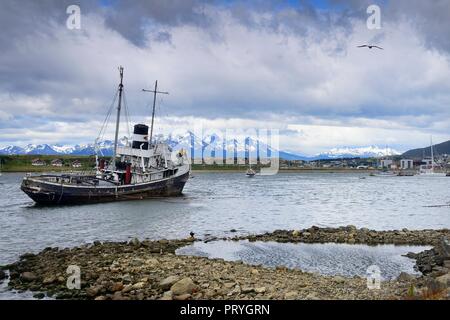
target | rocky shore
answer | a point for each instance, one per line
(352, 235)
(151, 270)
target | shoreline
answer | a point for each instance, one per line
(151, 270)
(351, 235)
(236, 170)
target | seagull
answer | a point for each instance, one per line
(370, 46)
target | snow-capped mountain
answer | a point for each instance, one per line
(209, 147)
(361, 152)
(105, 147)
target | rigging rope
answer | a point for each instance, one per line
(105, 122)
(127, 115)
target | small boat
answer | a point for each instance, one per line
(250, 173)
(406, 174)
(384, 174)
(428, 170)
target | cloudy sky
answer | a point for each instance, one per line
(293, 66)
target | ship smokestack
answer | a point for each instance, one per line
(140, 137)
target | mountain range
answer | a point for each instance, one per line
(209, 146)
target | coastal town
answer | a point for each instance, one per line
(396, 163)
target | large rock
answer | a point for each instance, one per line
(92, 291)
(405, 277)
(445, 244)
(185, 285)
(247, 289)
(49, 280)
(444, 280)
(117, 286)
(182, 297)
(2, 275)
(28, 276)
(135, 242)
(339, 279)
(260, 290)
(291, 295)
(138, 285)
(168, 282)
(296, 233)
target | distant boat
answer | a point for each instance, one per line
(406, 174)
(250, 172)
(426, 170)
(384, 174)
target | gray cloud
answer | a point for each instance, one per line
(429, 18)
(131, 18)
(237, 59)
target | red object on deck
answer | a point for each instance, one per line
(128, 174)
(102, 164)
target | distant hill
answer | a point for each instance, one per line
(441, 148)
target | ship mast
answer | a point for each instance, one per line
(119, 106)
(154, 104)
(432, 154)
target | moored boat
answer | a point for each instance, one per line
(384, 174)
(138, 170)
(250, 173)
(429, 170)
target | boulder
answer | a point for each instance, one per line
(49, 280)
(135, 242)
(168, 282)
(39, 295)
(312, 296)
(182, 297)
(117, 286)
(127, 288)
(291, 295)
(260, 290)
(152, 261)
(92, 291)
(296, 233)
(338, 279)
(138, 286)
(28, 276)
(444, 279)
(405, 277)
(183, 286)
(255, 272)
(447, 264)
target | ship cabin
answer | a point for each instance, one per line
(140, 162)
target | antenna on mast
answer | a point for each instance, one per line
(155, 92)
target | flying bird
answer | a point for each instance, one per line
(370, 46)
